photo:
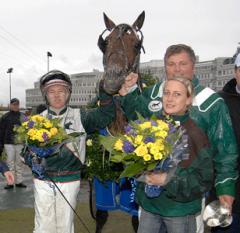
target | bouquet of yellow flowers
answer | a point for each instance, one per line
(42, 137)
(41, 134)
(152, 144)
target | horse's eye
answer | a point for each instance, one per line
(138, 45)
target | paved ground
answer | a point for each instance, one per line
(23, 197)
(18, 198)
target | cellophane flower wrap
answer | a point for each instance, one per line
(148, 145)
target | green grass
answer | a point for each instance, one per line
(22, 221)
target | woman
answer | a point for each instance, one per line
(179, 203)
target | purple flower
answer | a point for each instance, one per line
(138, 121)
(31, 124)
(153, 123)
(128, 128)
(149, 139)
(25, 118)
(172, 128)
(45, 136)
(128, 147)
(49, 116)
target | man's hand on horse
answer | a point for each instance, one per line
(130, 81)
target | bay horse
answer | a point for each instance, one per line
(121, 55)
(121, 51)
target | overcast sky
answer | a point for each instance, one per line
(69, 29)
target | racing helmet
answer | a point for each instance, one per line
(55, 77)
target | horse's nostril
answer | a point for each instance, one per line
(111, 87)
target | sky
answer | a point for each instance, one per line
(69, 29)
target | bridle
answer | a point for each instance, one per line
(122, 29)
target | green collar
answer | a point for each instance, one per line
(195, 81)
(181, 118)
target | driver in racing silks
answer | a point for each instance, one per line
(62, 169)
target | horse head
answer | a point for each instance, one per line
(121, 51)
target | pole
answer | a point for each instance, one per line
(10, 88)
(47, 63)
(48, 55)
(9, 71)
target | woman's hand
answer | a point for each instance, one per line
(156, 178)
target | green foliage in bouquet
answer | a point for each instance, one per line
(98, 161)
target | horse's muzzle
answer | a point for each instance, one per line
(112, 83)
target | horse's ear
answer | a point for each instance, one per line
(137, 25)
(108, 22)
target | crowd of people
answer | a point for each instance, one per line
(211, 121)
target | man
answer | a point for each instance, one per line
(7, 140)
(231, 95)
(52, 212)
(208, 111)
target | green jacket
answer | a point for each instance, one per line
(211, 114)
(182, 195)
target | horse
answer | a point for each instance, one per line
(121, 55)
(121, 51)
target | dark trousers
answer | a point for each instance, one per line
(233, 228)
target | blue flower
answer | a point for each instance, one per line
(172, 128)
(128, 128)
(25, 118)
(149, 139)
(128, 147)
(45, 136)
(31, 124)
(154, 123)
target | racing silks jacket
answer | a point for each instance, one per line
(211, 114)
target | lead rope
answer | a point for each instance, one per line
(78, 217)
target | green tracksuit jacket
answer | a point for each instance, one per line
(211, 114)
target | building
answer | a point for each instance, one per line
(84, 89)
(214, 74)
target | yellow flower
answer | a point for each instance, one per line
(53, 131)
(37, 118)
(138, 139)
(161, 133)
(48, 124)
(160, 145)
(89, 142)
(118, 145)
(162, 125)
(154, 149)
(158, 156)
(145, 125)
(141, 150)
(31, 132)
(147, 157)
